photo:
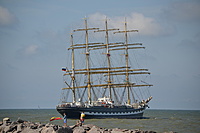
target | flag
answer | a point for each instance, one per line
(63, 68)
(55, 118)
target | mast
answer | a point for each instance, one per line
(126, 58)
(108, 56)
(73, 72)
(87, 54)
(87, 62)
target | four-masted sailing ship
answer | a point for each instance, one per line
(101, 88)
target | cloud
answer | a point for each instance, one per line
(192, 43)
(28, 51)
(51, 41)
(183, 11)
(6, 18)
(146, 25)
(48, 36)
(32, 49)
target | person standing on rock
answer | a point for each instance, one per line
(82, 118)
(65, 120)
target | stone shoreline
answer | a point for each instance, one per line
(21, 126)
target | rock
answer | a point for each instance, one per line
(117, 130)
(41, 125)
(47, 125)
(64, 130)
(20, 127)
(109, 130)
(6, 121)
(27, 123)
(126, 131)
(55, 127)
(137, 131)
(88, 126)
(48, 130)
(2, 128)
(28, 130)
(79, 130)
(33, 126)
(170, 132)
(151, 132)
(20, 120)
(10, 128)
(94, 129)
(106, 131)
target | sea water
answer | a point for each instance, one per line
(182, 121)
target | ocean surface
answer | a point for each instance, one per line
(181, 121)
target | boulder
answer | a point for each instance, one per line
(10, 128)
(170, 132)
(48, 130)
(88, 125)
(79, 129)
(33, 126)
(6, 121)
(117, 130)
(94, 129)
(150, 131)
(137, 131)
(20, 127)
(41, 125)
(28, 130)
(64, 130)
(55, 127)
(2, 128)
(20, 120)
(47, 125)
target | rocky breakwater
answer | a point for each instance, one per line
(21, 126)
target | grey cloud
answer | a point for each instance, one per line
(192, 44)
(6, 17)
(183, 11)
(147, 26)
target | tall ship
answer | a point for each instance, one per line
(101, 79)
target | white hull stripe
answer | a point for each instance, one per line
(113, 113)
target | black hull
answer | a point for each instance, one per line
(100, 112)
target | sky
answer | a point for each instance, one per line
(34, 38)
